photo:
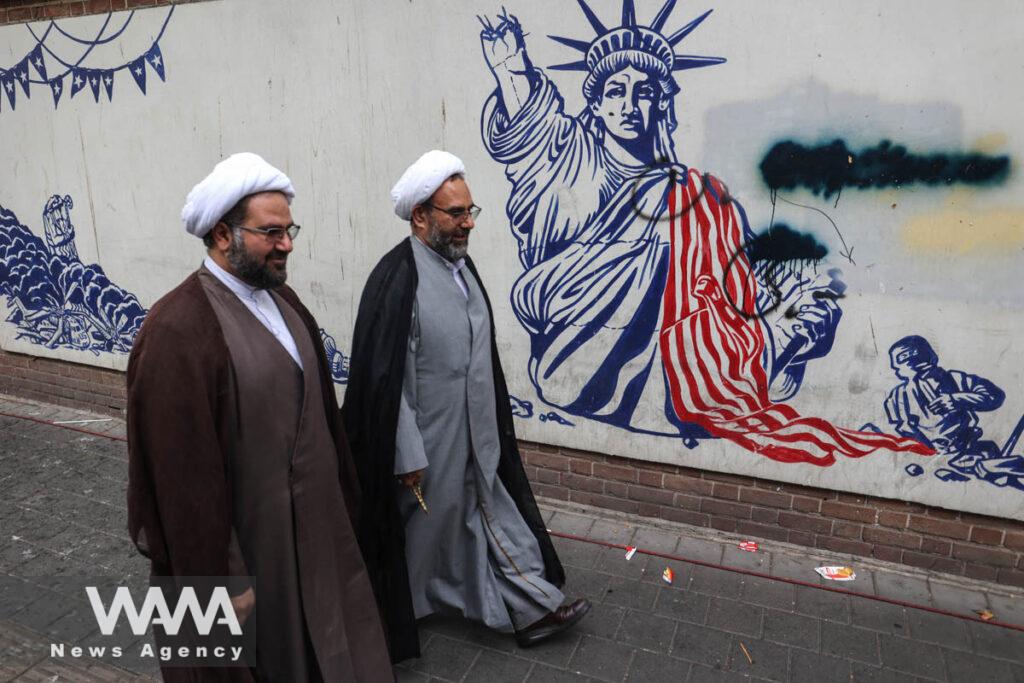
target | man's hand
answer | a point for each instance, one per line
(943, 404)
(411, 479)
(243, 605)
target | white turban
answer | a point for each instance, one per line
(422, 179)
(233, 179)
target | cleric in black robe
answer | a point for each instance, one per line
(501, 568)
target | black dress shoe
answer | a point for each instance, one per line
(555, 622)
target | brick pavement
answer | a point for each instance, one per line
(698, 628)
(62, 521)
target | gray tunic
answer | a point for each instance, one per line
(473, 554)
(314, 615)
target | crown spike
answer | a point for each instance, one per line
(676, 37)
(580, 45)
(598, 27)
(628, 13)
(632, 36)
(662, 16)
(684, 62)
(571, 66)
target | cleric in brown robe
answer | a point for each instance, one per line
(238, 461)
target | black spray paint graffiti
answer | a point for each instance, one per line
(846, 252)
(776, 255)
(827, 169)
(676, 173)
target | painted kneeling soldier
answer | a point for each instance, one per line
(238, 462)
(451, 525)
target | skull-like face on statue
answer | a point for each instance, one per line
(629, 99)
(629, 103)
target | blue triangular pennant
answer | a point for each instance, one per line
(7, 83)
(57, 88)
(156, 60)
(138, 69)
(22, 75)
(78, 80)
(107, 77)
(36, 59)
(93, 77)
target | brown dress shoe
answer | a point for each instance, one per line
(555, 622)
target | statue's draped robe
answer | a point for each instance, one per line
(624, 293)
(473, 555)
(238, 466)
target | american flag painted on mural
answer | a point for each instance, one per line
(713, 355)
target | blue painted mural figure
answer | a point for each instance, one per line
(56, 300)
(940, 408)
(634, 289)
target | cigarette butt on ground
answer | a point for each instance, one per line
(746, 653)
(419, 496)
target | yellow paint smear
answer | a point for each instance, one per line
(991, 143)
(960, 228)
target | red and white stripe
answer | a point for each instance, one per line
(713, 355)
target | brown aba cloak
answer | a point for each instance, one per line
(182, 425)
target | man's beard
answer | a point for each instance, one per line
(247, 267)
(442, 242)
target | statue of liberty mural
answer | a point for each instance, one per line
(643, 309)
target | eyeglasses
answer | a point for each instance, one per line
(458, 212)
(274, 234)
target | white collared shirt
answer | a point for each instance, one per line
(260, 304)
(456, 269)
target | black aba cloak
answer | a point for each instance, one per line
(370, 413)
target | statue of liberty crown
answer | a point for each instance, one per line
(631, 37)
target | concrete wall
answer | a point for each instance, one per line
(342, 96)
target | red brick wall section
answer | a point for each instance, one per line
(19, 11)
(980, 547)
(65, 384)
